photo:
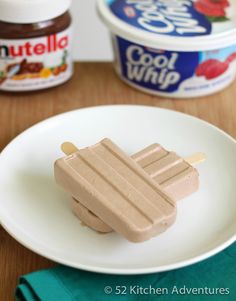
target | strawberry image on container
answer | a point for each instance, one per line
(212, 68)
(201, 69)
(231, 57)
(214, 10)
(216, 70)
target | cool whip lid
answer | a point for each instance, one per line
(188, 25)
(31, 11)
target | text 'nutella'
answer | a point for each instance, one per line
(35, 45)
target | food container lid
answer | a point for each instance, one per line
(187, 25)
(31, 11)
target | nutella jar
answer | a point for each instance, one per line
(35, 44)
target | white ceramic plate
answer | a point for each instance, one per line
(36, 212)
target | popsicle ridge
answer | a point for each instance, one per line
(147, 154)
(110, 152)
(113, 179)
(175, 176)
(136, 168)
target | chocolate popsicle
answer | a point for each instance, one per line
(115, 188)
(175, 174)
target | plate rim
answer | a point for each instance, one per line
(116, 271)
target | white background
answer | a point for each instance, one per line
(91, 37)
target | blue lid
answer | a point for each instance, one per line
(159, 20)
(176, 18)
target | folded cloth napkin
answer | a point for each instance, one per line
(212, 279)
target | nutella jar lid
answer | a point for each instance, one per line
(31, 11)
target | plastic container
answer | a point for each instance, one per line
(35, 44)
(173, 48)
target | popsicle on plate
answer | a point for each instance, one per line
(89, 219)
(176, 176)
(117, 190)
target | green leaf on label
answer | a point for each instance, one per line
(217, 19)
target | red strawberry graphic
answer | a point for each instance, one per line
(207, 9)
(212, 8)
(216, 70)
(223, 3)
(201, 69)
(211, 68)
(231, 57)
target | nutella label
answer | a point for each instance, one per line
(36, 63)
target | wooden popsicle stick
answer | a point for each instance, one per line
(196, 159)
(69, 148)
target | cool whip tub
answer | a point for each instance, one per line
(173, 48)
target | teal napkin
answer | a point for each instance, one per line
(212, 279)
